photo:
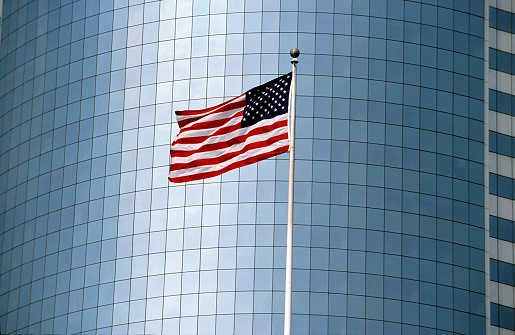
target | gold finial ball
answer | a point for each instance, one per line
(294, 52)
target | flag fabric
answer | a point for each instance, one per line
(244, 130)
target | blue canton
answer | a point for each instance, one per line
(267, 101)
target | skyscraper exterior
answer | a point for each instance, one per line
(499, 165)
(403, 216)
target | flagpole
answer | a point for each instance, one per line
(289, 233)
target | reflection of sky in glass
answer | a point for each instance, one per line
(388, 230)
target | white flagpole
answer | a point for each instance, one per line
(289, 233)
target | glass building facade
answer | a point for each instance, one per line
(500, 165)
(389, 221)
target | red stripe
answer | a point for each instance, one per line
(227, 156)
(232, 141)
(238, 164)
(196, 140)
(226, 106)
(212, 124)
(200, 111)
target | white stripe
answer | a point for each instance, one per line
(502, 82)
(206, 131)
(223, 151)
(225, 115)
(502, 294)
(213, 114)
(218, 167)
(224, 137)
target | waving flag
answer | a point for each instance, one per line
(239, 132)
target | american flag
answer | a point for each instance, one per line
(238, 132)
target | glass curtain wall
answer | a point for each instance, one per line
(500, 104)
(389, 228)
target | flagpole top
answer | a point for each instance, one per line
(294, 53)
